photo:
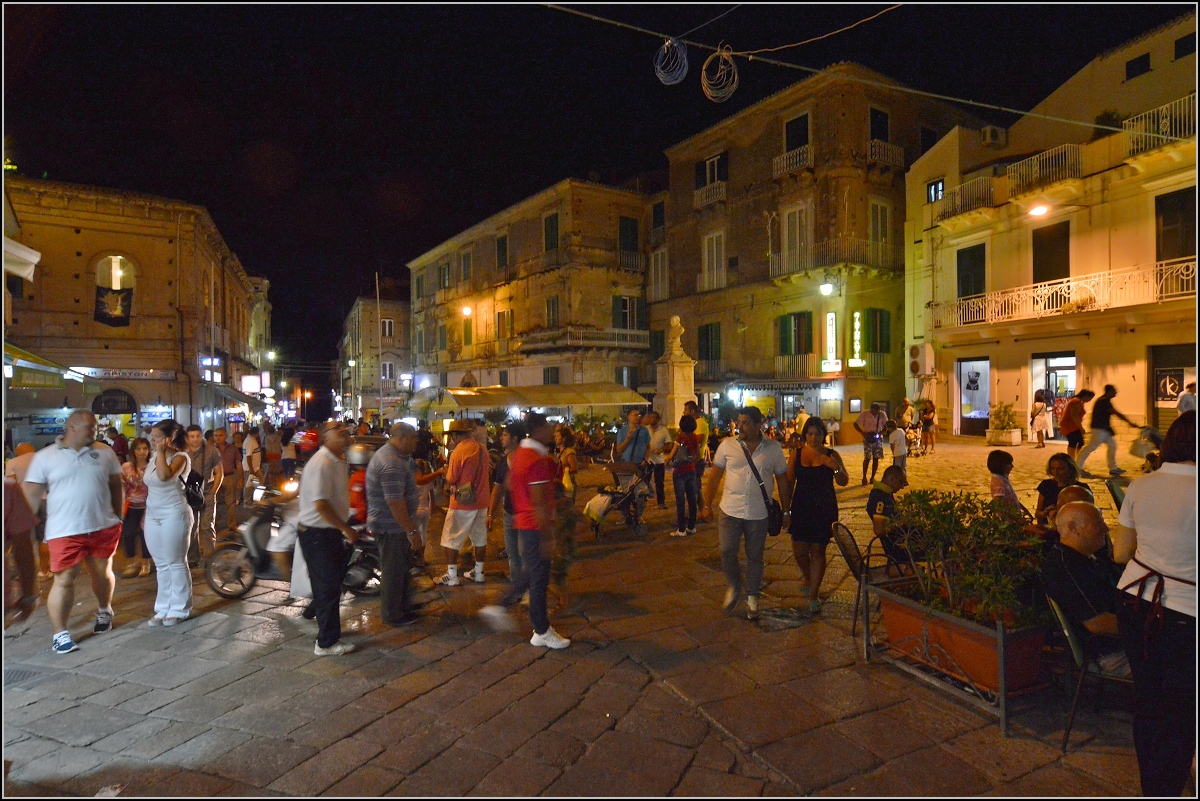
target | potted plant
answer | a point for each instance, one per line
(970, 603)
(1003, 428)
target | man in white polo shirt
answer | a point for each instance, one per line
(83, 490)
(324, 512)
(743, 509)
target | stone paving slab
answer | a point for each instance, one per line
(661, 693)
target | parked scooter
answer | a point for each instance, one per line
(236, 565)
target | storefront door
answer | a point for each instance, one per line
(1173, 367)
(1055, 373)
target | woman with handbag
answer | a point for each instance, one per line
(169, 522)
(683, 458)
(132, 527)
(1039, 418)
(814, 506)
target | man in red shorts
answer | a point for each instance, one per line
(82, 484)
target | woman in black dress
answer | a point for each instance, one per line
(814, 507)
(1063, 473)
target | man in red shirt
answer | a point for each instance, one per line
(531, 479)
(1071, 425)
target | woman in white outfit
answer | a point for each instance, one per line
(169, 522)
(1039, 419)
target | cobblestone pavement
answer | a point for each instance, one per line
(660, 692)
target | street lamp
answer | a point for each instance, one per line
(271, 355)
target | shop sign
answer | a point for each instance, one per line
(858, 360)
(1168, 383)
(26, 378)
(48, 424)
(152, 414)
(92, 387)
(236, 417)
(831, 363)
(128, 375)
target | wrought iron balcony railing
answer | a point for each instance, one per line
(708, 194)
(791, 161)
(1151, 130)
(1056, 164)
(842, 250)
(972, 195)
(881, 152)
(794, 366)
(577, 337)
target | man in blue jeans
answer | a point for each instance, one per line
(531, 478)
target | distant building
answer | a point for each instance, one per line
(140, 296)
(779, 245)
(375, 354)
(1059, 257)
(548, 291)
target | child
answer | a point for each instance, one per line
(1000, 464)
(895, 437)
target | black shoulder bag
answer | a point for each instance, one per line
(774, 510)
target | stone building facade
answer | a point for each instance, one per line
(375, 355)
(1056, 257)
(140, 295)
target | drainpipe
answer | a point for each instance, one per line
(179, 312)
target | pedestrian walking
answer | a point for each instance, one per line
(898, 443)
(702, 431)
(231, 479)
(324, 532)
(812, 507)
(1156, 614)
(928, 426)
(566, 519)
(251, 464)
(467, 473)
(82, 486)
(684, 457)
(1040, 423)
(169, 522)
(133, 532)
(1102, 431)
(660, 443)
(744, 514)
(272, 447)
(501, 500)
(870, 425)
(205, 460)
(531, 483)
(287, 459)
(19, 600)
(392, 499)
(1071, 425)
(119, 443)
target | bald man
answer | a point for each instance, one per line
(1078, 575)
(1071, 493)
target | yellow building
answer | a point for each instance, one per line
(1058, 257)
(548, 291)
(140, 295)
(778, 245)
(375, 355)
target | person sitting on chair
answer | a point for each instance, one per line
(881, 507)
(1078, 575)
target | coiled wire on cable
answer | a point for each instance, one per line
(724, 79)
(671, 63)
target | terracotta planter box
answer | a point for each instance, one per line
(961, 648)
(1004, 436)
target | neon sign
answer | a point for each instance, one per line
(831, 363)
(858, 360)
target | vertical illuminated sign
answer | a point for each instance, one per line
(857, 360)
(831, 363)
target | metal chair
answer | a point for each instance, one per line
(1085, 663)
(1116, 490)
(861, 568)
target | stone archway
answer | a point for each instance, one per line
(114, 401)
(469, 380)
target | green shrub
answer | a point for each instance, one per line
(1003, 418)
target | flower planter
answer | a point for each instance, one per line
(964, 649)
(1004, 437)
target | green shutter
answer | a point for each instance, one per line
(716, 341)
(785, 335)
(643, 317)
(723, 167)
(467, 332)
(702, 349)
(616, 311)
(885, 326)
(868, 330)
(701, 177)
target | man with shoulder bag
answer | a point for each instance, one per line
(749, 464)
(467, 473)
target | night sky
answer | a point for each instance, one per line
(331, 142)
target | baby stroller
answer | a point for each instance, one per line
(912, 438)
(627, 496)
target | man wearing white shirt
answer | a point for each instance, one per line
(83, 490)
(324, 531)
(743, 509)
(1187, 399)
(660, 443)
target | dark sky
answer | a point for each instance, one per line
(329, 142)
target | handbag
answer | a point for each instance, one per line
(465, 493)
(193, 490)
(774, 510)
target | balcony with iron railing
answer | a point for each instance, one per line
(710, 369)
(1054, 165)
(706, 195)
(880, 152)
(792, 161)
(708, 280)
(797, 365)
(1130, 286)
(842, 250)
(631, 260)
(976, 194)
(579, 337)
(1158, 127)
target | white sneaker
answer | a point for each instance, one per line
(337, 649)
(448, 580)
(550, 639)
(752, 607)
(497, 618)
(477, 576)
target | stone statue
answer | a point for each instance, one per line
(674, 334)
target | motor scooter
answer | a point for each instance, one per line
(237, 564)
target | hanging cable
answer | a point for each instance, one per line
(879, 84)
(710, 22)
(815, 38)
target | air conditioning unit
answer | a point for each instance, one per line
(993, 136)
(920, 359)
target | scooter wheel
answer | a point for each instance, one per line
(230, 572)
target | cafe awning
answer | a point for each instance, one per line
(232, 394)
(23, 358)
(454, 399)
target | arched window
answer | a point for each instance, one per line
(115, 272)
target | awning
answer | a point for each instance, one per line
(454, 399)
(23, 358)
(232, 394)
(20, 260)
(598, 393)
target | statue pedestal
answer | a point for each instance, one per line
(675, 387)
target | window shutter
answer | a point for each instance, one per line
(723, 167)
(868, 339)
(715, 344)
(700, 175)
(616, 311)
(785, 335)
(885, 331)
(643, 318)
(658, 344)
(804, 334)
(703, 352)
